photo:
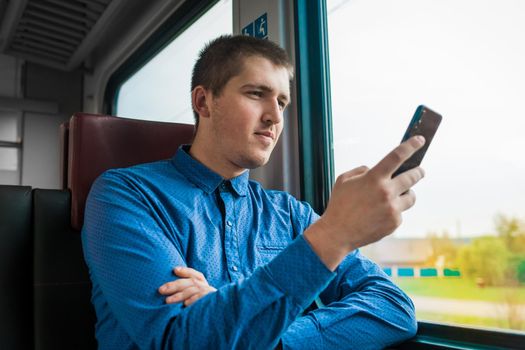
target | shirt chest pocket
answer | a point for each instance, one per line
(271, 238)
(266, 252)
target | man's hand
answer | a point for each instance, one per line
(365, 206)
(190, 287)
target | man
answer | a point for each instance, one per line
(268, 255)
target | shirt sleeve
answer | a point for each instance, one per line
(130, 255)
(360, 309)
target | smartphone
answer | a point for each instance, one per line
(424, 122)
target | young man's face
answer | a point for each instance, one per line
(246, 119)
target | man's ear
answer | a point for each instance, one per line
(200, 102)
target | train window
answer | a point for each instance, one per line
(8, 158)
(460, 253)
(160, 89)
(10, 145)
(9, 126)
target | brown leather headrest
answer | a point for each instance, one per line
(99, 142)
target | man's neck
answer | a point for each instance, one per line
(214, 162)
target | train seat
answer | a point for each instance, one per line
(45, 300)
(16, 268)
(98, 143)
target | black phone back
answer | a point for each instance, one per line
(424, 122)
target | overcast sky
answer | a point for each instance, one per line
(161, 90)
(464, 59)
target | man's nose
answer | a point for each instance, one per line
(272, 113)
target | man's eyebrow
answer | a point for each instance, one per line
(265, 88)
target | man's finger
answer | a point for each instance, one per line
(186, 272)
(193, 299)
(176, 286)
(407, 200)
(199, 295)
(388, 165)
(403, 182)
(357, 171)
(182, 296)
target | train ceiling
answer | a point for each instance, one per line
(54, 33)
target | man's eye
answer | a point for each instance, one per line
(282, 105)
(256, 93)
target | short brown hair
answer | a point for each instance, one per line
(222, 59)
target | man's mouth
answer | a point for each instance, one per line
(268, 134)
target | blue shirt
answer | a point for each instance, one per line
(141, 222)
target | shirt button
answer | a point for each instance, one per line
(234, 268)
(229, 223)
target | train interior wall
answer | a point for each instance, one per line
(43, 98)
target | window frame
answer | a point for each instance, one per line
(188, 13)
(18, 144)
(314, 109)
(432, 335)
(314, 102)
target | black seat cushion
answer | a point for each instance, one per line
(16, 268)
(64, 316)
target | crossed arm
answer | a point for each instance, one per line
(364, 304)
(190, 287)
(362, 308)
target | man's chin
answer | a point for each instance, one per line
(254, 162)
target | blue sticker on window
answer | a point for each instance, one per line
(261, 27)
(257, 28)
(248, 30)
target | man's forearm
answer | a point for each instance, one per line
(255, 312)
(364, 310)
(351, 327)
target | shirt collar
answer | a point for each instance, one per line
(203, 177)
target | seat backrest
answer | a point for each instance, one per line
(16, 268)
(63, 315)
(100, 142)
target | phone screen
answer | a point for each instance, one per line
(425, 122)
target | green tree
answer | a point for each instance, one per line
(487, 258)
(515, 273)
(512, 231)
